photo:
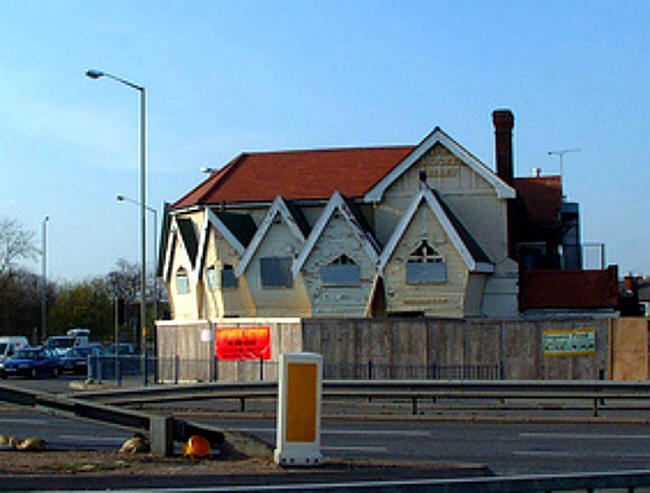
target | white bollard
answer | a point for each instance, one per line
(298, 414)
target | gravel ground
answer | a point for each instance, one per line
(13, 462)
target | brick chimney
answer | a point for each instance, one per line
(503, 123)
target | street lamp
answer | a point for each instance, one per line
(96, 74)
(44, 280)
(124, 198)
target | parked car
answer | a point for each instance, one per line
(32, 362)
(9, 345)
(124, 349)
(76, 359)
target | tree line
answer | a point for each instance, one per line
(97, 303)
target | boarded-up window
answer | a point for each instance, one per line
(228, 279)
(211, 277)
(182, 282)
(425, 265)
(342, 271)
(276, 272)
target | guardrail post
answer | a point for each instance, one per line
(99, 370)
(369, 369)
(242, 404)
(118, 371)
(161, 435)
(145, 372)
(176, 364)
(414, 405)
(261, 369)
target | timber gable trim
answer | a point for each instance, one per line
(337, 202)
(279, 206)
(476, 262)
(503, 190)
(176, 237)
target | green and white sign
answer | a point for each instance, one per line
(578, 342)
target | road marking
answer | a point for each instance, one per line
(584, 436)
(26, 421)
(357, 449)
(404, 433)
(558, 453)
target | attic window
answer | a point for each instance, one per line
(277, 219)
(228, 279)
(276, 272)
(342, 271)
(182, 282)
(425, 265)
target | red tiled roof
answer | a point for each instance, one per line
(542, 197)
(312, 174)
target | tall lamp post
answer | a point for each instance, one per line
(96, 74)
(44, 280)
(124, 198)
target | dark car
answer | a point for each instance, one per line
(32, 362)
(124, 349)
(76, 359)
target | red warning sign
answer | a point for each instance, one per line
(243, 343)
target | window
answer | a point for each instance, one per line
(182, 282)
(211, 277)
(425, 265)
(342, 271)
(276, 272)
(228, 279)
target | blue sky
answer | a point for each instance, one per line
(226, 77)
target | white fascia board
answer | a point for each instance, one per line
(171, 238)
(450, 230)
(336, 202)
(192, 269)
(399, 231)
(223, 229)
(278, 207)
(175, 236)
(426, 195)
(504, 191)
(203, 242)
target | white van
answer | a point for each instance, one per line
(61, 344)
(10, 344)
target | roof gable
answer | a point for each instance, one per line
(279, 206)
(352, 216)
(502, 189)
(469, 250)
(175, 237)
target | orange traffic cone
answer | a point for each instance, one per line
(196, 446)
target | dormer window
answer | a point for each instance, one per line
(425, 265)
(182, 282)
(342, 271)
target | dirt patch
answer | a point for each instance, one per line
(54, 462)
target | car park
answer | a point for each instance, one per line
(76, 359)
(32, 362)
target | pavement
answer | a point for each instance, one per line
(333, 472)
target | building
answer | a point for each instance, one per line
(424, 230)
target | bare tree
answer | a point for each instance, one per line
(15, 244)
